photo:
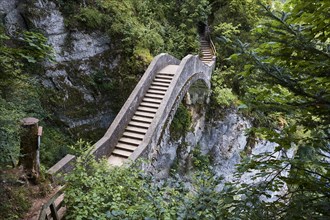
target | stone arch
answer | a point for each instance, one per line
(192, 73)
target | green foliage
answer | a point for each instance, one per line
(90, 17)
(181, 122)
(95, 190)
(231, 20)
(9, 131)
(14, 198)
(201, 162)
(223, 96)
(16, 203)
(54, 145)
(285, 83)
(19, 94)
(81, 148)
(35, 48)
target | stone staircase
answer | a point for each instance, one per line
(138, 126)
(140, 122)
(206, 51)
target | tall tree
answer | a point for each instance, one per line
(286, 82)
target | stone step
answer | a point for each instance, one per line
(147, 109)
(158, 88)
(206, 59)
(152, 100)
(122, 153)
(142, 119)
(158, 92)
(133, 135)
(115, 160)
(126, 147)
(145, 114)
(160, 76)
(136, 129)
(154, 83)
(162, 80)
(130, 141)
(148, 104)
(154, 96)
(139, 124)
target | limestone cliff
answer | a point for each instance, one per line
(224, 141)
(83, 61)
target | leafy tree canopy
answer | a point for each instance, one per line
(285, 83)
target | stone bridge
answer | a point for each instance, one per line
(139, 124)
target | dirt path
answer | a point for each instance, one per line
(33, 213)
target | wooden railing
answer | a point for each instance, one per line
(208, 37)
(54, 208)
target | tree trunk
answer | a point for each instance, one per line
(29, 146)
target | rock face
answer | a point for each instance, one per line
(223, 140)
(7, 6)
(75, 98)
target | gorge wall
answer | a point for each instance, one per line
(79, 84)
